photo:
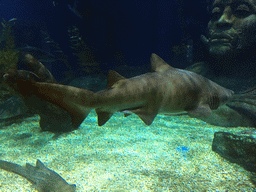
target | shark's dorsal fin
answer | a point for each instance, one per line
(113, 77)
(158, 64)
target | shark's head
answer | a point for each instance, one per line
(211, 96)
(217, 96)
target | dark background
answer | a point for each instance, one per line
(131, 28)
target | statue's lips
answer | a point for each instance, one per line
(218, 41)
(220, 38)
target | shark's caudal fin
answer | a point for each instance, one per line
(67, 97)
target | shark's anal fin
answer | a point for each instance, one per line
(201, 110)
(103, 116)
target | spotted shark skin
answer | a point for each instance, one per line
(44, 179)
(165, 90)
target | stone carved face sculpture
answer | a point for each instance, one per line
(232, 26)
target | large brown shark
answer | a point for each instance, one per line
(164, 90)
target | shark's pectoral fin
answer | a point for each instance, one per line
(103, 117)
(146, 114)
(201, 110)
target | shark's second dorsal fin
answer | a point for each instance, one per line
(158, 64)
(113, 77)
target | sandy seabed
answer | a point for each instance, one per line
(172, 154)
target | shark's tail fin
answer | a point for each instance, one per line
(78, 102)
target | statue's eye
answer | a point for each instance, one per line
(216, 13)
(242, 11)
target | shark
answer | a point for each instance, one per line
(44, 179)
(164, 90)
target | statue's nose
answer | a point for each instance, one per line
(224, 21)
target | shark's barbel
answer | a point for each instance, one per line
(164, 90)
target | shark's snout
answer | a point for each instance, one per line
(226, 96)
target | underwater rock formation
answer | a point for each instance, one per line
(238, 148)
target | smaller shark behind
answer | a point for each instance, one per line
(165, 90)
(44, 179)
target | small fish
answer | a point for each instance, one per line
(43, 178)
